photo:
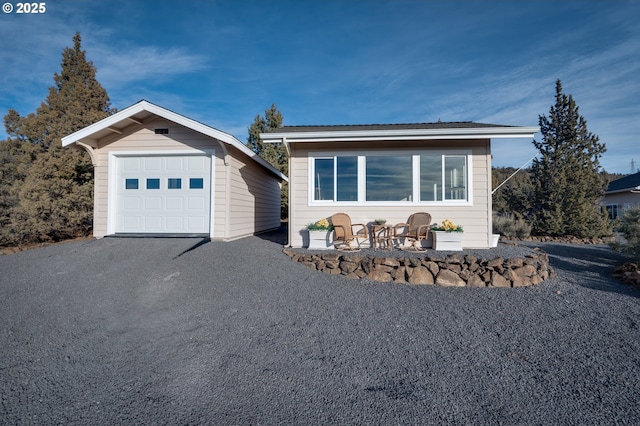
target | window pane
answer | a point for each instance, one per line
(455, 177)
(347, 179)
(323, 179)
(389, 178)
(153, 183)
(430, 178)
(175, 183)
(196, 183)
(131, 183)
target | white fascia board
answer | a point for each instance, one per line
(405, 134)
(90, 130)
(633, 190)
(126, 113)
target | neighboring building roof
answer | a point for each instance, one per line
(140, 111)
(627, 183)
(389, 132)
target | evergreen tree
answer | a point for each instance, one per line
(274, 153)
(567, 185)
(16, 157)
(54, 198)
(514, 196)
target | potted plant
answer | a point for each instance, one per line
(320, 235)
(447, 236)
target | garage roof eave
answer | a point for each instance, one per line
(124, 117)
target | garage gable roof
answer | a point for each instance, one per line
(136, 113)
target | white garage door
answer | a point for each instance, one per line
(163, 194)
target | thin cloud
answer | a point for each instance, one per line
(119, 67)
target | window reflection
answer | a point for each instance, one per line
(455, 177)
(323, 179)
(389, 178)
(431, 178)
(347, 179)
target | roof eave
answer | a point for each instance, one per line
(89, 131)
(406, 134)
(633, 189)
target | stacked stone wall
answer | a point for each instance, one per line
(453, 270)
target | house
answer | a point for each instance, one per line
(622, 194)
(158, 172)
(392, 171)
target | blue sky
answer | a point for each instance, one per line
(346, 62)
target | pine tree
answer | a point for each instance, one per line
(274, 153)
(55, 199)
(16, 157)
(567, 185)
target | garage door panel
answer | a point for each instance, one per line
(153, 164)
(175, 223)
(131, 223)
(196, 204)
(174, 164)
(153, 203)
(197, 222)
(131, 164)
(131, 203)
(153, 223)
(172, 194)
(174, 203)
(196, 164)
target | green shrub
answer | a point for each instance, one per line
(630, 229)
(509, 226)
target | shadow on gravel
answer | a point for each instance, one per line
(594, 263)
(278, 236)
(195, 246)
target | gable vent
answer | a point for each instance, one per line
(162, 131)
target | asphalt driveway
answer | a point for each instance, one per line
(172, 331)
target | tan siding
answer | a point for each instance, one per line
(475, 219)
(220, 211)
(622, 198)
(254, 197)
(137, 138)
(247, 202)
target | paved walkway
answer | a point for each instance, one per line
(173, 331)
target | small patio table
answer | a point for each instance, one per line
(382, 235)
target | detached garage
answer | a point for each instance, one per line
(158, 172)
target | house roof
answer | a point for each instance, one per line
(399, 126)
(388, 132)
(627, 183)
(138, 113)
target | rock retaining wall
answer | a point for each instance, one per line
(453, 270)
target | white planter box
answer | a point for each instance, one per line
(320, 240)
(494, 240)
(449, 241)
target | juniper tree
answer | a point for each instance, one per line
(54, 199)
(274, 153)
(567, 185)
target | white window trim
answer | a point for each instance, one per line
(362, 177)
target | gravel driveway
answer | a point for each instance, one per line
(166, 331)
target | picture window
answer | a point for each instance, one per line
(391, 178)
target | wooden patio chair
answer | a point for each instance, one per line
(346, 233)
(415, 230)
